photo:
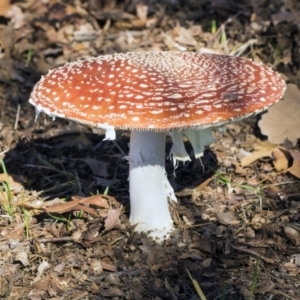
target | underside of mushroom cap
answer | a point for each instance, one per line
(159, 91)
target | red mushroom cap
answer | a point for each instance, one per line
(163, 91)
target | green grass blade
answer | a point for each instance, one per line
(197, 287)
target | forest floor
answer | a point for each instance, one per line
(64, 201)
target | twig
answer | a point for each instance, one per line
(17, 117)
(283, 294)
(56, 239)
(255, 254)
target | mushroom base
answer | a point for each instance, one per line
(149, 186)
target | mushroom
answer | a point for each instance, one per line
(152, 94)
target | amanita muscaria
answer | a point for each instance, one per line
(152, 94)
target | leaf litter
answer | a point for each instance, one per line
(64, 230)
(281, 122)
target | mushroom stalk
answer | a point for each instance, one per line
(148, 184)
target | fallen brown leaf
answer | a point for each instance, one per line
(295, 168)
(15, 233)
(113, 219)
(107, 266)
(184, 36)
(97, 200)
(14, 181)
(255, 155)
(5, 7)
(293, 233)
(70, 206)
(142, 12)
(227, 218)
(22, 257)
(44, 265)
(77, 204)
(289, 269)
(282, 121)
(280, 160)
(296, 259)
(283, 158)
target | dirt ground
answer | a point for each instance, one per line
(238, 231)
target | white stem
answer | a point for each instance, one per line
(148, 196)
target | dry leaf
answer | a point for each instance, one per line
(23, 258)
(295, 258)
(96, 267)
(257, 221)
(85, 32)
(5, 7)
(289, 269)
(113, 219)
(295, 168)
(59, 268)
(263, 149)
(37, 246)
(283, 158)
(15, 233)
(97, 200)
(44, 265)
(255, 155)
(184, 36)
(14, 181)
(58, 206)
(12, 12)
(282, 121)
(280, 160)
(73, 205)
(293, 234)
(4, 287)
(142, 12)
(107, 265)
(227, 218)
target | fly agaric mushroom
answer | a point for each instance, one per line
(151, 94)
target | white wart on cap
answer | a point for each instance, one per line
(152, 93)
